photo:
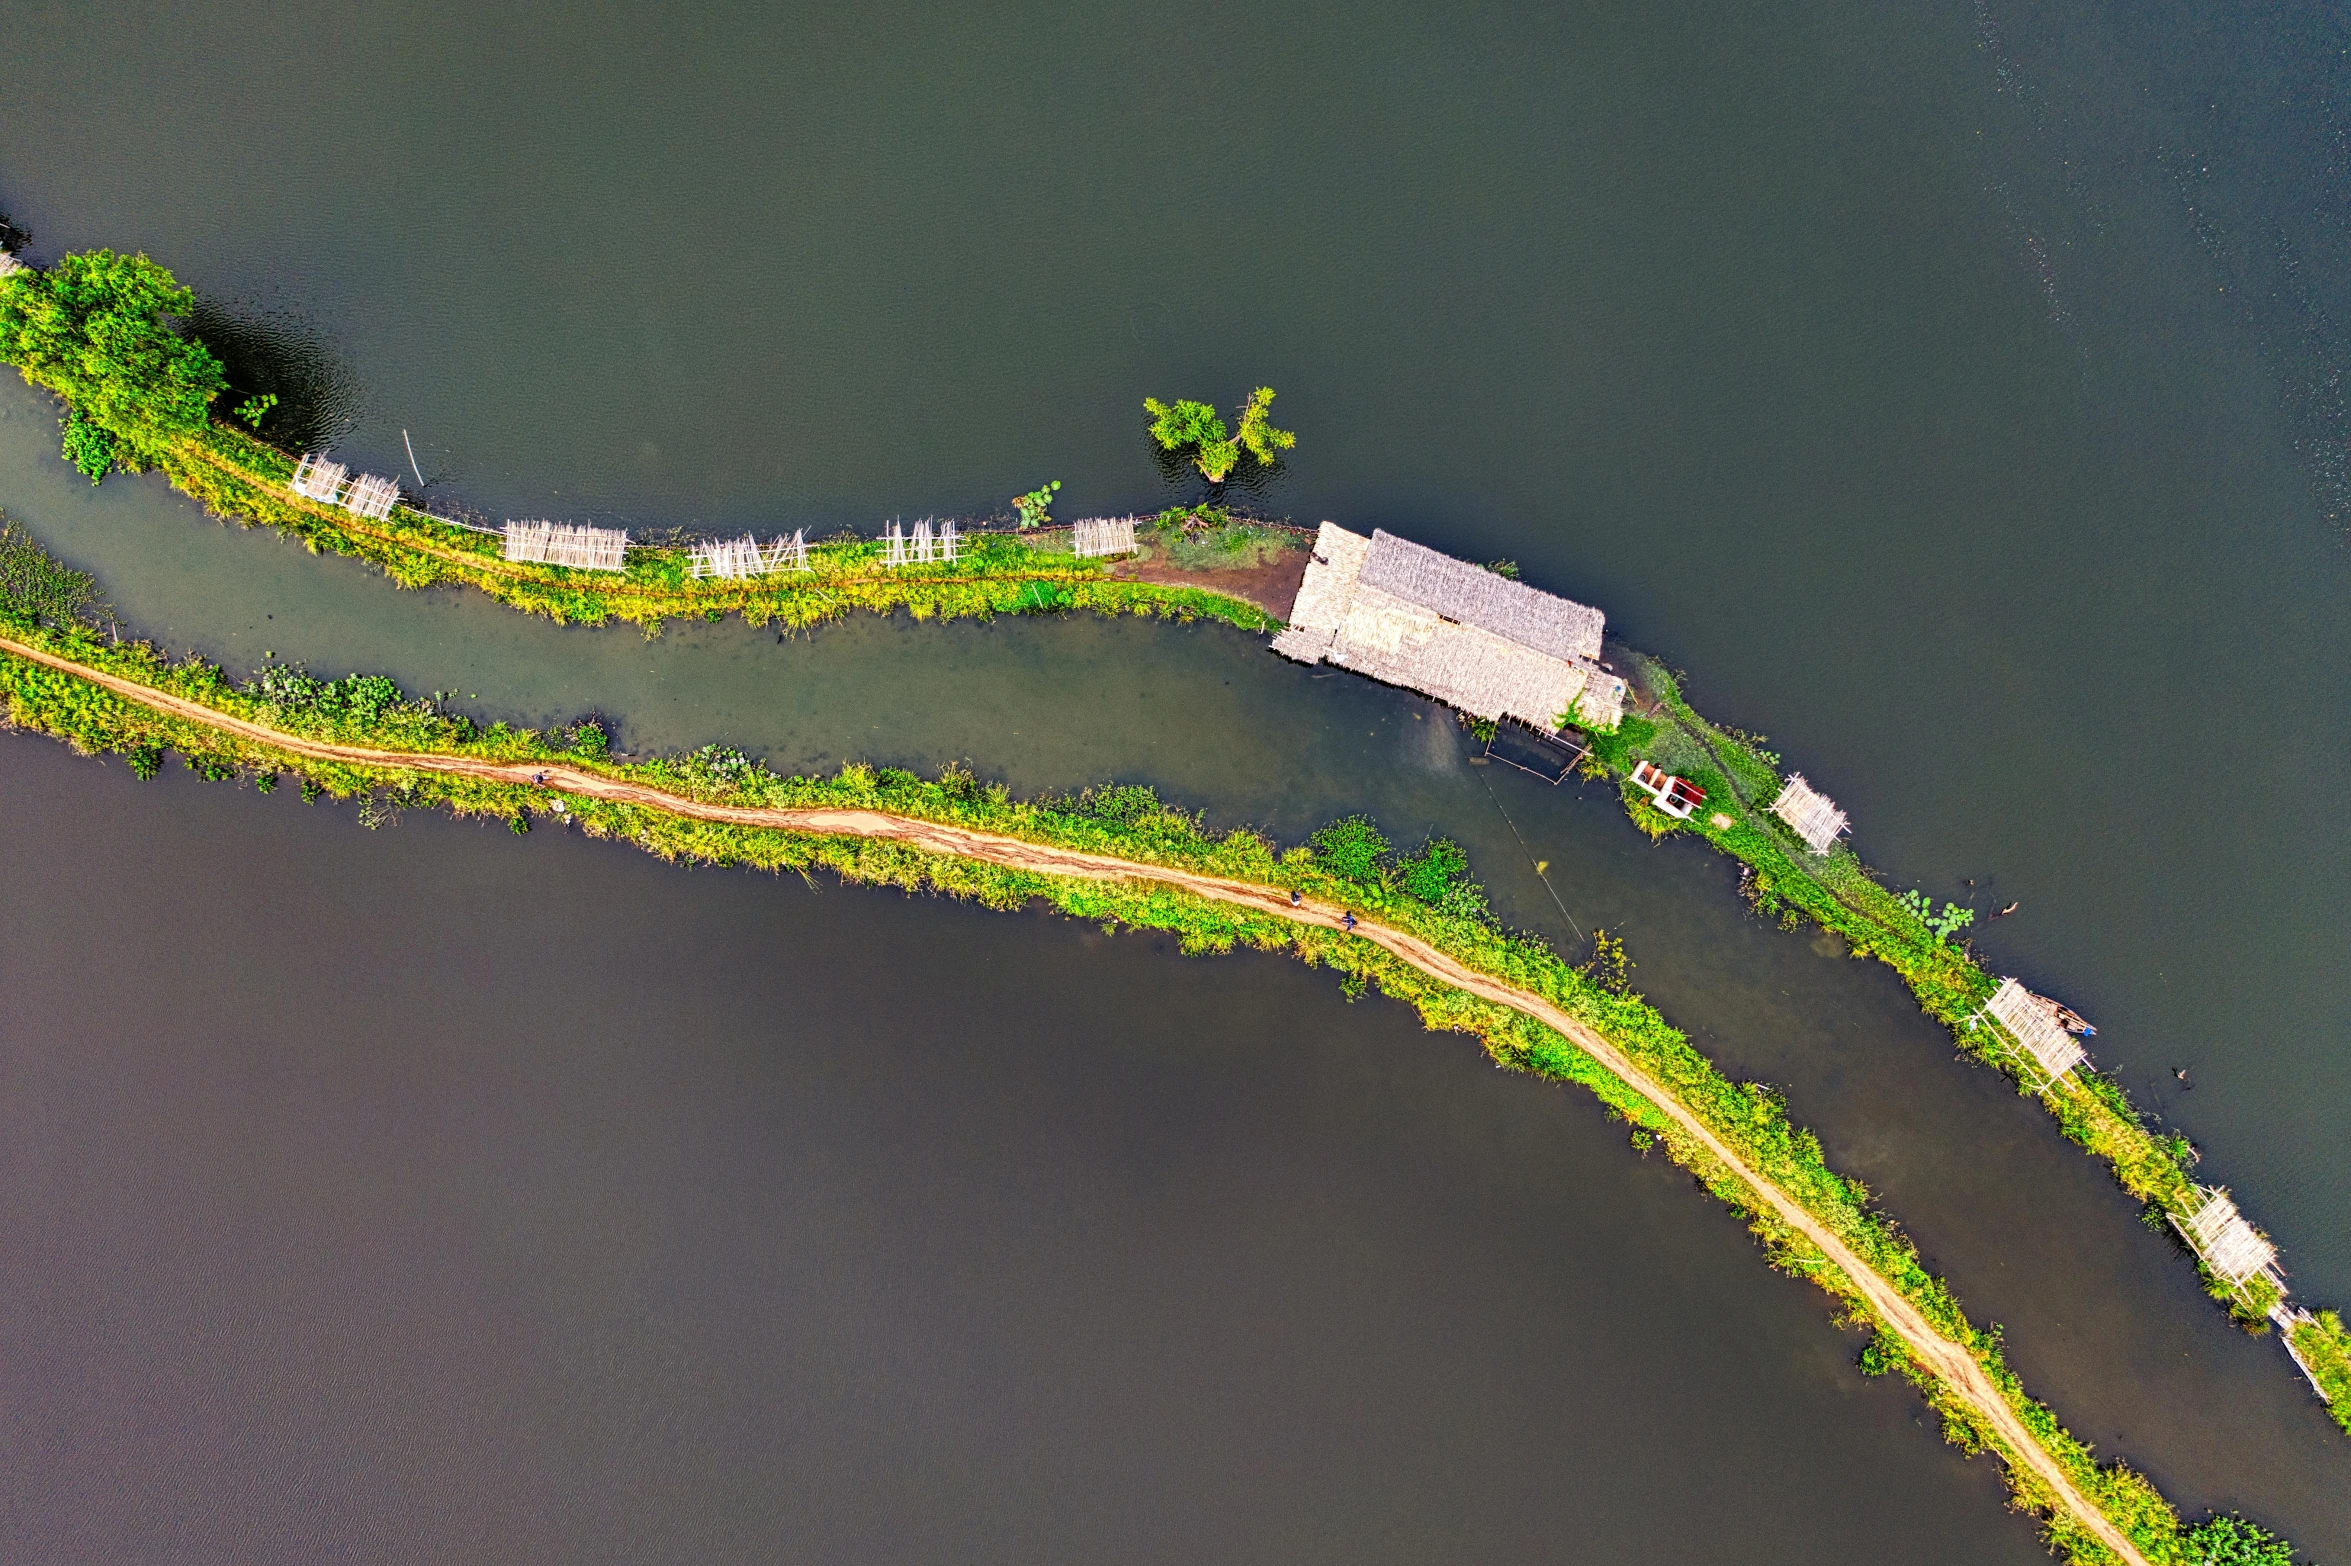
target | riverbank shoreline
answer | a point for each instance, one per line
(238, 477)
(879, 828)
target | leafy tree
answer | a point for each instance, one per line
(100, 330)
(1351, 847)
(1199, 428)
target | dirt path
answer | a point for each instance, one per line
(1949, 1362)
(1272, 588)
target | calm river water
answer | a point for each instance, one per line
(1950, 395)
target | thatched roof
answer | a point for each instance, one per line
(1466, 667)
(1493, 654)
(1475, 596)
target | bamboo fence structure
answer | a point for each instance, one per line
(2230, 1246)
(1095, 537)
(1812, 815)
(315, 478)
(2031, 1021)
(372, 496)
(581, 547)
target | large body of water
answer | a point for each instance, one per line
(1951, 395)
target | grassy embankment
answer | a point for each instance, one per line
(100, 329)
(1841, 894)
(2325, 1346)
(1426, 896)
(237, 476)
(244, 479)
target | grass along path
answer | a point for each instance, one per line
(1948, 1362)
(240, 478)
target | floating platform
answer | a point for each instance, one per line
(1548, 756)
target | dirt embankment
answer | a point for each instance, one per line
(1272, 587)
(1950, 1363)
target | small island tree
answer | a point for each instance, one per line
(101, 330)
(1200, 429)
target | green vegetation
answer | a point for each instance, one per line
(1036, 507)
(1611, 970)
(1786, 881)
(1427, 894)
(2325, 1346)
(1942, 926)
(1212, 538)
(1198, 428)
(87, 446)
(2232, 1541)
(240, 477)
(37, 587)
(586, 739)
(100, 330)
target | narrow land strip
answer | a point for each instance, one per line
(1246, 589)
(1948, 1361)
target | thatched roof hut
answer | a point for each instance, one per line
(1407, 615)
(1554, 626)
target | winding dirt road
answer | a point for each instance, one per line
(1953, 1365)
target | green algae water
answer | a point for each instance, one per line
(1949, 397)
